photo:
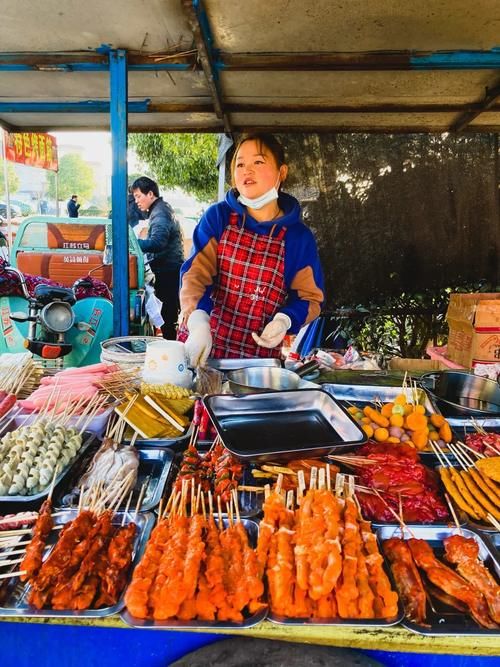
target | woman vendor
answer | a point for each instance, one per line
(254, 274)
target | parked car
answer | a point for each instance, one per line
(15, 211)
(25, 208)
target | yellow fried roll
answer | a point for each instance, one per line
(467, 495)
(452, 489)
(479, 495)
(486, 485)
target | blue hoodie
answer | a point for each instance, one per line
(303, 275)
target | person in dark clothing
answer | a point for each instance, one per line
(163, 248)
(73, 207)
(134, 213)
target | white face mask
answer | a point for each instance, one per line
(260, 202)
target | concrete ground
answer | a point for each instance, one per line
(242, 652)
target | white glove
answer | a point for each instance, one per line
(274, 332)
(199, 341)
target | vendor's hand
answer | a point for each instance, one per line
(274, 332)
(199, 341)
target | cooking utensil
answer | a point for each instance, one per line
(283, 425)
(260, 379)
(458, 393)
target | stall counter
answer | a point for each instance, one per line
(394, 639)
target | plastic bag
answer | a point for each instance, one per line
(153, 307)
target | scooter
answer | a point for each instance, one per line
(65, 326)
(55, 325)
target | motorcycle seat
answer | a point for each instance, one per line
(48, 293)
(67, 267)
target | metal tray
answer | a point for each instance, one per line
(365, 394)
(283, 425)
(493, 541)
(347, 622)
(175, 444)
(88, 440)
(250, 502)
(446, 621)
(155, 466)
(253, 532)
(458, 423)
(16, 603)
(236, 364)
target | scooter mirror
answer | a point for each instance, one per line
(107, 255)
(19, 316)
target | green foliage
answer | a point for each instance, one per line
(402, 325)
(12, 179)
(76, 177)
(187, 161)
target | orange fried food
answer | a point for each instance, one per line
(33, 558)
(450, 582)
(464, 553)
(407, 578)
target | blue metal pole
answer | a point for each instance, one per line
(85, 106)
(118, 109)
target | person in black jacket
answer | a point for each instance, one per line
(73, 207)
(164, 249)
(134, 213)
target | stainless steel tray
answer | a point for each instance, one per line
(88, 440)
(283, 425)
(459, 424)
(155, 466)
(364, 394)
(253, 532)
(346, 622)
(249, 502)
(235, 364)
(16, 603)
(175, 444)
(446, 621)
(493, 541)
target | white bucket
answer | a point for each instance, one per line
(166, 361)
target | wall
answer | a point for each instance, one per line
(398, 212)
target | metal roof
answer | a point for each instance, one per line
(224, 65)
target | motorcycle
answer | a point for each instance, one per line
(55, 324)
(64, 325)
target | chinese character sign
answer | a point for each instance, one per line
(34, 149)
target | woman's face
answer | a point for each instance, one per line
(255, 170)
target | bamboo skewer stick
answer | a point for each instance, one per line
(494, 522)
(453, 514)
(125, 511)
(10, 575)
(139, 500)
(13, 561)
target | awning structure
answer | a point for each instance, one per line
(217, 65)
(225, 66)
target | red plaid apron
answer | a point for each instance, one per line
(249, 291)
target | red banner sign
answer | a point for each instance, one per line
(34, 149)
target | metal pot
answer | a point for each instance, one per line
(260, 379)
(458, 393)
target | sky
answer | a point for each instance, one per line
(97, 148)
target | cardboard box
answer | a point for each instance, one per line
(415, 365)
(474, 323)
